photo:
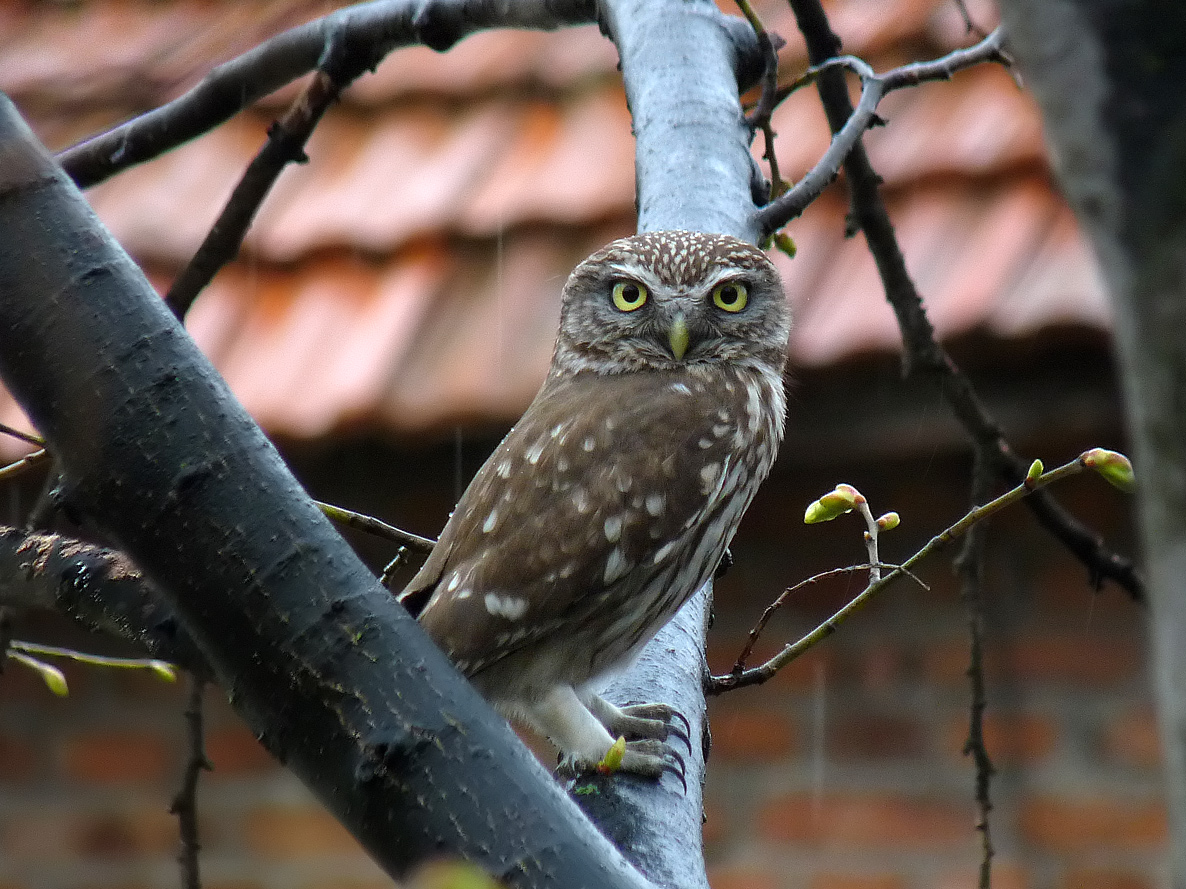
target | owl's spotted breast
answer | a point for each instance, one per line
(580, 509)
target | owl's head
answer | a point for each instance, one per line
(670, 299)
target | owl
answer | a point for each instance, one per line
(613, 498)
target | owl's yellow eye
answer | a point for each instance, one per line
(730, 297)
(629, 295)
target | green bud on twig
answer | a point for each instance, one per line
(832, 505)
(1112, 465)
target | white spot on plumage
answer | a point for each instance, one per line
(557, 429)
(720, 429)
(662, 552)
(708, 477)
(568, 570)
(655, 504)
(509, 607)
(589, 444)
(491, 521)
(580, 499)
(704, 444)
(562, 464)
(681, 388)
(535, 451)
(503, 469)
(753, 405)
(613, 528)
(463, 594)
(454, 582)
(623, 483)
(616, 565)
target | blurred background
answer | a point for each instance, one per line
(391, 314)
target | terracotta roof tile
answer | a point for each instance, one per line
(409, 274)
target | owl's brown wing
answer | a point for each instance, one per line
(589, 496)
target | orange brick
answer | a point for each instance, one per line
(1105, 879)
(750, 733)
(149, 831)
(741, 877)
(856, 881)
(715, 828)
(1009, 737)
(19, 760)
(71, 832)
(1078, 825)
(297, 832)
(1079, 660)
(1133, 739)
(875, 736)
(1005, 875)
(235, 753)
(883, 821)
(117, 757)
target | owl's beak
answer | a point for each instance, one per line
(677, 336)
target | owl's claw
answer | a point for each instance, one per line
(646, 757)
(641, 721)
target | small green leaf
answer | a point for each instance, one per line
(786, 244)
(1035, 473)
(164, 670)
(832, 505)
(1112, 465)
(889, 521)
(612, 761)
(53, 678)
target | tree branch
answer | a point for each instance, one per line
(381, 26)
(922, 350)
(874, 88)
(326, 669)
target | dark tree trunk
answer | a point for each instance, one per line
(1109, 79)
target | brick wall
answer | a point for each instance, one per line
(845, 772)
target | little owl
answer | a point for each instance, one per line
(614, 497)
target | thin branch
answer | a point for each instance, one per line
(970, 566)
(185, 803)
(25, 464)
(760, 674)
(874, 87)
(922, 350)
(377, 527)
(339, 66)
(380, 26)
(26, 437)
(759, 118)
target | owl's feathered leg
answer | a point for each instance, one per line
(584, 740)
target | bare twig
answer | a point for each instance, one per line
(922, 350)
(970, 566)
(758, 675)
(185, 803)
(23, 465)
(338, 67)
(873, 88)
(377, 527)
(27, 437)
(759, 118)
(379, 27)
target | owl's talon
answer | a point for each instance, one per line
(663, 714)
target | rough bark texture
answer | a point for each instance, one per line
(333, 676)
(1108, 76)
